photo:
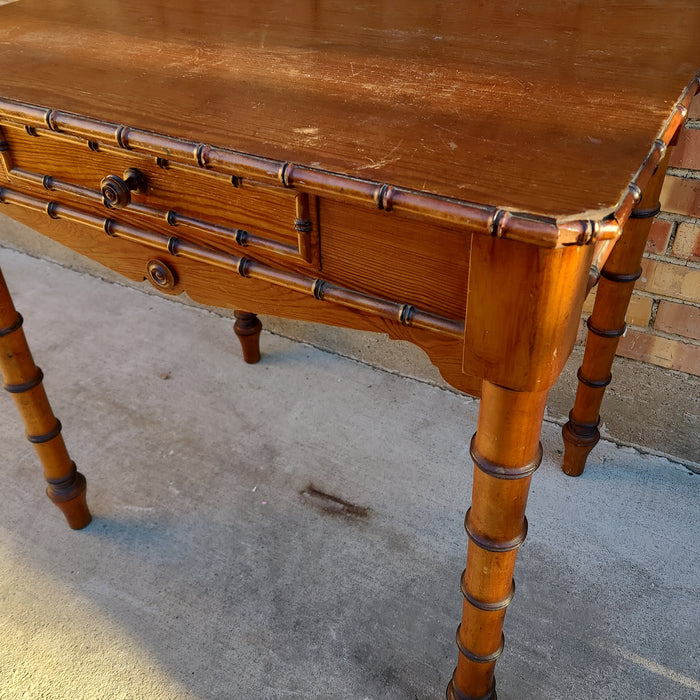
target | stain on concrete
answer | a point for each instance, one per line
(327, 504)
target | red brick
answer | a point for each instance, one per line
(639, 345)
(687, 242)
(688, 359)
(686, 154)
(694, 110)
(681, 196)
(664, 352)
(638, 311)
(659, 236)
(670, 280)
(679, 319)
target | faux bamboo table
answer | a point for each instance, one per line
(453, 174)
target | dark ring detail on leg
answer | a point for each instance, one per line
(454, 693)
(478, 658)
(480, 604)
(21, 388)
(498, 470)
(14, 327)
(66, 488)
(46, 437)
(494, 545)
(618, 277)
(614, 333)
(649, 213)
(580, 425)
(593, 383)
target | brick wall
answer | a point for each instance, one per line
(664, 314)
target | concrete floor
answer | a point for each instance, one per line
(213, 569)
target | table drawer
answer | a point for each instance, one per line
(195, 204)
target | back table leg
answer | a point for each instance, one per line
(23, 379)
(607, 324)
(247, 328)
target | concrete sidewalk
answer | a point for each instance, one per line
(215, 568)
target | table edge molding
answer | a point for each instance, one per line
(536, 229)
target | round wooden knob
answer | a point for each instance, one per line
(116, 191)
(160, 275)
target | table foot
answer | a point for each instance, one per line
(579, 440)
(506, 451)
(247, 328)
(23, 379)
(69, 495)
(453, 693)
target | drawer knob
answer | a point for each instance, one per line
(160, 275)
(116, 191)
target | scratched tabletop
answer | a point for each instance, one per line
(538, 107)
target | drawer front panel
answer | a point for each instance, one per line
(396, 257)
(407, 271)
(266, 213)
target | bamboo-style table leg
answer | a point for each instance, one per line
(606, 325)
(23, 379)
(247, 328)
(506, 451)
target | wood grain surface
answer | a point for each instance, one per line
(544, 108)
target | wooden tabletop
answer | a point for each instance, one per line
(548, 108)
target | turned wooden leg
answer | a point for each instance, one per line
(23, 379)
(247, 328)
(606, 325)
(506, 451)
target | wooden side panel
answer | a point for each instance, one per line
(523, 311)
(395, 257)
